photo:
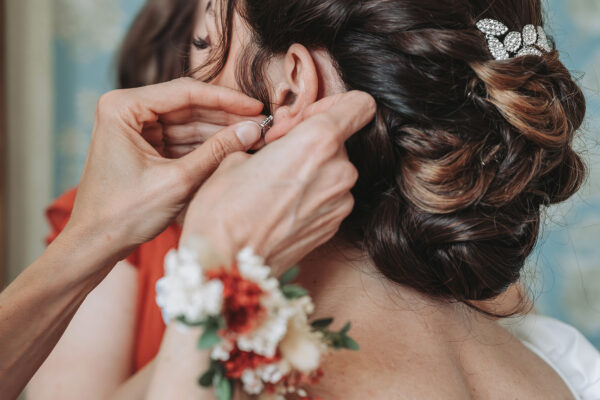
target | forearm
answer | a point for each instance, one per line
(38, 306)
(135, 387)
(178, 366)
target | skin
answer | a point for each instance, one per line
(93, 358)
(472, 360)
(175, 364)
(55, 285)
(408, 340)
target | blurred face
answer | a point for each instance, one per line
(207, 35)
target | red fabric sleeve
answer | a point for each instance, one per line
(58, 214)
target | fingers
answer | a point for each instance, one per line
(153, 133)
(341, 116)
(178, 151)
(187, 92)
(145, 104)
(179, 140)
(203, 161)
(216, 117)
(192, 133)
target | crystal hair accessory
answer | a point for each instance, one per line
(532, 41)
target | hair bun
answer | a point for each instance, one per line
(540, 101)
(464, 150)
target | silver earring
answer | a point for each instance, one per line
(265, 125)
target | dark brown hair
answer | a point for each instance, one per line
(464, 152)
(156, 47)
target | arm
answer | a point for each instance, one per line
(178, 367)
(94, 356)
(229, 212)
(41, 302)
(114, 212)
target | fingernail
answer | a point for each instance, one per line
(248, 133)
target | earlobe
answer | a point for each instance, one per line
(297, 87)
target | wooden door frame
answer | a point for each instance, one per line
(28, 139)
(3, 211)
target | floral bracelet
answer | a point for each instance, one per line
(255, 325)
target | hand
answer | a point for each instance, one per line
(291, 196)
(129, 193)
(178, 133)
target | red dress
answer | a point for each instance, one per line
(148, 259)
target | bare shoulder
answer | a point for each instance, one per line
(390, 372)
(470, 370)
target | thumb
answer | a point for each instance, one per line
(204, 160)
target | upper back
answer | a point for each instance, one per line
(484, 361)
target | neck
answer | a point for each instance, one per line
(345, 283)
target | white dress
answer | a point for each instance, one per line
(564, 348)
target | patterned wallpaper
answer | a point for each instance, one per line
(564, 272)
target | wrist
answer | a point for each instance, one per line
(217, 242)
(88, 252)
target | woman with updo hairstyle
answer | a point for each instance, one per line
(465, 151)
(465, 154)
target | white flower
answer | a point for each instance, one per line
(187, 255)
(302, 347)
(273, 373)
(254, 380)
(204, 301)
(251, 381)
(183, 291)
(306, 305)
(271, 396)
(171, 263)
(252, 266)
(222, 351)
(265, 338)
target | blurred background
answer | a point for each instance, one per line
(58, 58)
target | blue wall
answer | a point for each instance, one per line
(87, 35)
(564, 272)
(566, 264)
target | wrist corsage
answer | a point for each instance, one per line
(256, 326)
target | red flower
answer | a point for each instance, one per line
(297, 379)
(242, 308)
(242, 360)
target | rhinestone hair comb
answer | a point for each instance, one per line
(532, 41)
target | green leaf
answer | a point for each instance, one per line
(293, 291)
(224, 389)
(289, 275)
(209, 338)
(219, 375)
(215, 322)
(322, 323)
(184, 321)
(206, 380)
(351, 344)
(346, 328)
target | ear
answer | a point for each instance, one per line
(295, 81)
